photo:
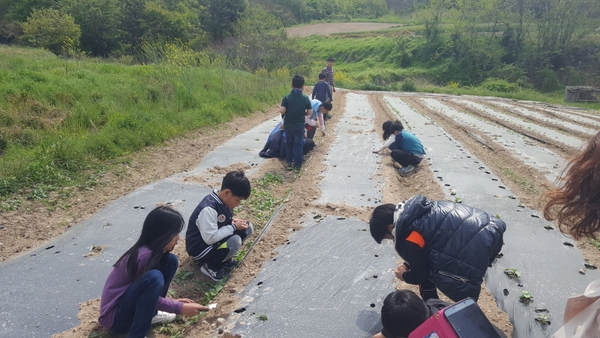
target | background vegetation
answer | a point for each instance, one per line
(512, 48)
(116, 75)
(60, 120)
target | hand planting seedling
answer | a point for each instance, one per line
(512, 273)
(526, 297)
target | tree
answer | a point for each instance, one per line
(132, 22)
(99, 21)
(21, 9)
(51, 29)
(220, 16)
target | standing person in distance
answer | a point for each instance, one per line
(295, 106)
(328, 71)
(322, 90)
(135, 294)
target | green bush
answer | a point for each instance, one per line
(499, 85)
(546, 81)
(51, 29)
(408, 86)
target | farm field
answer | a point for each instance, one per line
(494, 154)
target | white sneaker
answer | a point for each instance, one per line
(163, 317)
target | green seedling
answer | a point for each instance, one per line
(512, 197)
(457, 200)
(317, 216)
(262, 317)
(183, 275)
(512, 273)
(497, 216)
(542, 318)
(548, 227)
(526, 297)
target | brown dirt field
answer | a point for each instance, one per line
(332, 28)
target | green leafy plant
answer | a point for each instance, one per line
(512, 273)
(526, 297)
(262, 317)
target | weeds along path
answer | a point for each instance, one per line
(475, 174)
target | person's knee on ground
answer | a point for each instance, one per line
(402, 312)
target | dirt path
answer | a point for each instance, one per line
(183, 154)
(332, 28)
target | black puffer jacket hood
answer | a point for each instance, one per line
(460, 241)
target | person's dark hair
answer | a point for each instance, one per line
(330, 60)
(297, 81)
(396, 126)
(402, 312)
(575, 204)
(238, 183)
(381, 218)
(160, 226)
(386, 129)
(327, 105)
(322, 76)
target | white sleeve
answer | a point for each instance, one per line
(209, 229)
(387, 143)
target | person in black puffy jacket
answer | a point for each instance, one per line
(446, 245)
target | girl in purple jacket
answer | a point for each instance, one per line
(134, 295)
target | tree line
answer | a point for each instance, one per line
(544, 43)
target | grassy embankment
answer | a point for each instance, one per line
(384, 60)
(65, 122)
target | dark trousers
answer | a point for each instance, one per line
(293, 139)
(405, 158)
(310, 131)
(225, 249)
(138, 304)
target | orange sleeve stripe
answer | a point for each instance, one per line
(416, 238)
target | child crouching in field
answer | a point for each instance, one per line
(446, 245)
(213, 236)
(408, 150)
(137, 286)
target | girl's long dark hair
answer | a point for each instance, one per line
(387, 128)
(161, 225)
(575, 204)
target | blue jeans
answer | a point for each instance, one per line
(293, 144)
(138, 304)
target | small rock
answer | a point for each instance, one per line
(581, 271)
(220, 330)
(220, 321)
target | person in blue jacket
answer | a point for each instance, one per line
(408, 152)
(275, 145)
(446, 245)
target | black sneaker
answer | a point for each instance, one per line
(230, 264)
(216, 276)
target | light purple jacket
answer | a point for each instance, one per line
(118, 282)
